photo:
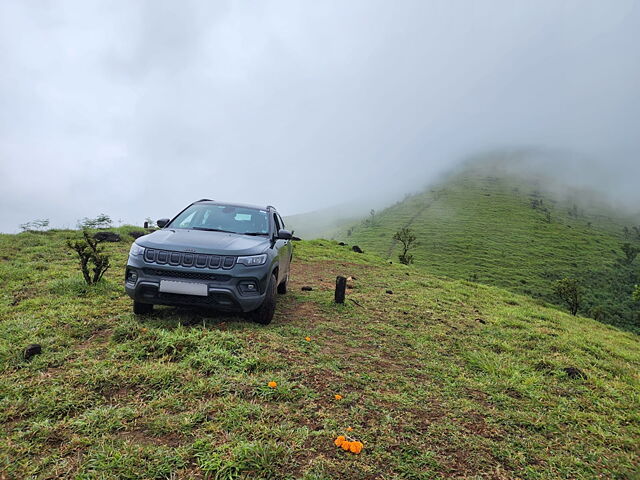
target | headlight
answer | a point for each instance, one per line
(253, 260)
(136, 250)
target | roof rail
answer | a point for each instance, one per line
(203, 200)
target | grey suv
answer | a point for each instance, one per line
(229, 257)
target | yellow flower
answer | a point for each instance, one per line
(355, 447)
(349, 429)
(308, 339)
(338, 396)
(339, 441)
(272, 384)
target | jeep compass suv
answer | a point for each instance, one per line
(229, 257)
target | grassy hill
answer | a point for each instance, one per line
(521, 232)
(439, 379)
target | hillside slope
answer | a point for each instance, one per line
(439, 379)
(501, 229)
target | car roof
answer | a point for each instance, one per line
(239, 205)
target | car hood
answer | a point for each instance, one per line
(200, 241)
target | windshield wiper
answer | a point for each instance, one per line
(255, 234)
(211, 229)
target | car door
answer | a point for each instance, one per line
(288, 244)
(284, 248)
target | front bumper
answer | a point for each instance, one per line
(227, 289)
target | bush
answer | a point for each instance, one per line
(569, 292)
(630, 252)
(408, 240)
(90, 254)
(35, 225)
(101, 221)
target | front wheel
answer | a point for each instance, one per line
(264, 313)
(140, 308)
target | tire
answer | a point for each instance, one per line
(264, 313)
(140, 308)
(282, 288)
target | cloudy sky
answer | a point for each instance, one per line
(137, 108)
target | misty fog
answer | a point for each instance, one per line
(136, 109)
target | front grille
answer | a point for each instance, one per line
(183, 259)
(189, 299)
(219, 300)
(190, 275)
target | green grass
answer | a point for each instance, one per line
(479, 225)
(441, 379)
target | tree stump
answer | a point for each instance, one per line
(341, 288)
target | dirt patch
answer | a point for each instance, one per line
(22, 295)
(322, 275)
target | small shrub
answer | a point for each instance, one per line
(101, 221)
(598, 313)
(569, 292)
(408, 240)
(630, 252)
(93, 261)
(35, 225)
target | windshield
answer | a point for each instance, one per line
(224, 218)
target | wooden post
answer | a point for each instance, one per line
(341, 288)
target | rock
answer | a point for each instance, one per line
(107, 237)
(482, 321)
(32, 350)
(137, 233)
(342, 244)
(573, 372)
(306, 288)
(357, 249)
(390, 292)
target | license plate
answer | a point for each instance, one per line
(184, 288)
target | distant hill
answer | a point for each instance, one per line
(323, 223)
(328, 222)
(493, 223)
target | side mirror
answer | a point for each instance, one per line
(162, 222)
(284, 234)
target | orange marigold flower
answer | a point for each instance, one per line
(355, 447)
(349, 429)
(346, 445)
(272, 384)
(308, 339)
(340, 440)
(338, 396)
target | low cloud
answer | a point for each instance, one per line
(136, 109)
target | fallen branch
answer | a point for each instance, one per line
(356, 302)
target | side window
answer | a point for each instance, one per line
(275, 220)
(282, 225)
